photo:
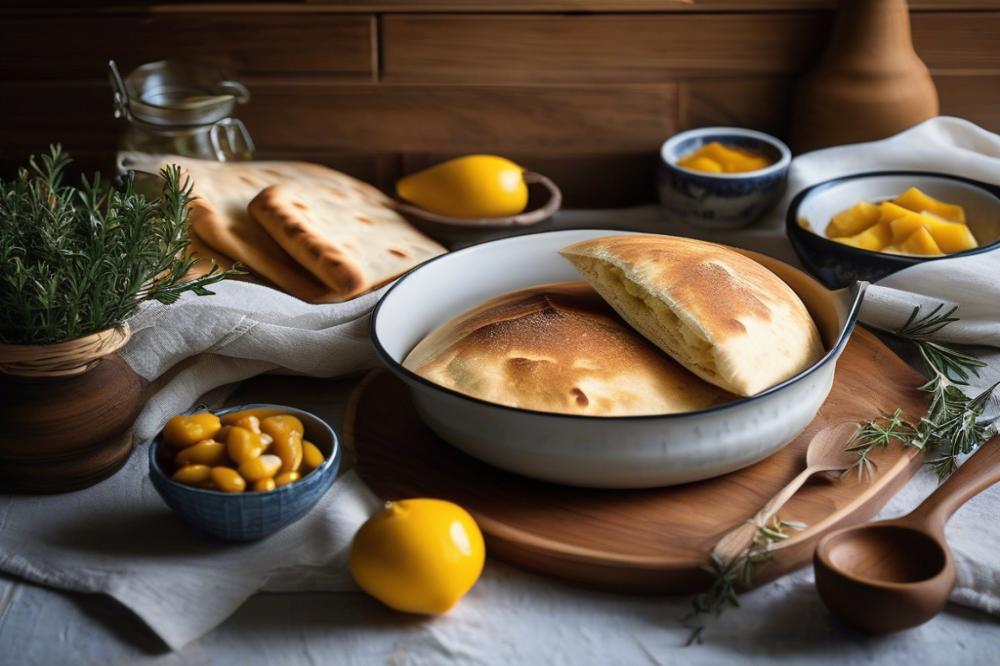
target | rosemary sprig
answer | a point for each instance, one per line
(725, 578)
(76, 260)
(953, 425)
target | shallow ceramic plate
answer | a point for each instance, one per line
(600, 452)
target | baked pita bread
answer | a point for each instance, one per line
(219, 215)
(722, 315)
(558, 348)
(350, 241)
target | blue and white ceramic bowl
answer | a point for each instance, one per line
(595, 451)
(249, 516)
(837, 264)
(721, 200)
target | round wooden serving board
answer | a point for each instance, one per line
(638, 540)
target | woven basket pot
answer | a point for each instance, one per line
(66, 411)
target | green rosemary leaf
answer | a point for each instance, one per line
(81, 259)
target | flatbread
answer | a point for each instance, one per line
(558, 348)
(722, 315)
(219, 215)
(348, 241)
(205, 255)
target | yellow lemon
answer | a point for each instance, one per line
(418, 555)
(470, 187)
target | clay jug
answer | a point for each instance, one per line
(869, 84)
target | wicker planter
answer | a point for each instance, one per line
(67, 411)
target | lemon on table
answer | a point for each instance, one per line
(470, 187)
(418, 555)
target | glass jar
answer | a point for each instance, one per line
(181, 108)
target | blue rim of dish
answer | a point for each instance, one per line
(156, 443)
(791, 218)
(736, 132)
(857, 289)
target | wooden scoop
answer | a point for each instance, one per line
(896, 574)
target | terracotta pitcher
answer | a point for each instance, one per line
(870, 82)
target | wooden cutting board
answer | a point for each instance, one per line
(638, 540)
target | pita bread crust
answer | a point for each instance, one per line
(558, 348)
(351, 246)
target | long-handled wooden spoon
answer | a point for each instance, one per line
(896, 574)
(825, 453)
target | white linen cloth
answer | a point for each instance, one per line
(119, 539)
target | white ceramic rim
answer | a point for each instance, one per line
(397, 367)
(783, 161)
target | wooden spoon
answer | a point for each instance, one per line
(897, 574)
(826, 453)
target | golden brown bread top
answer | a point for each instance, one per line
(558, 348)
(721, 314)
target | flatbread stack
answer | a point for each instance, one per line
(301, 263)
(558, 348)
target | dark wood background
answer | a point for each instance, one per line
(582, 90)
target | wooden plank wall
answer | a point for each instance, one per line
(379, 89)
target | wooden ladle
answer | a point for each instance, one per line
(896, 574)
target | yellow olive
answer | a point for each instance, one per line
(287, 432)
(260, 412)
(250, 422)
(223, 434)
(312, 457)
(206, 452)
(285, 478)
(183, 431)
(262, 467)
(192, 475)
(243, 445)
(228, 480)
(264, 485)
(280, 423)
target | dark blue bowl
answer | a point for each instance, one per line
(837, 265)
(721, 200)
(249, 515)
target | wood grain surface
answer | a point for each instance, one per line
(584, 89)
(643, 540)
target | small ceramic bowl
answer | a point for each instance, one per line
(545, 199)
(838, 265)
(249, 515)
(721, 200)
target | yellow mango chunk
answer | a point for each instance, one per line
(953, 237)
(949, 236)
(919, 202)
(920, 242)
(854, 220)
(874, 238)
(714, 157)
(888, 211)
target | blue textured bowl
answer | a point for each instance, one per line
(838, 265)
(250, 515)
(721, 200)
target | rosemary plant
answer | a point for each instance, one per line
(75, 261)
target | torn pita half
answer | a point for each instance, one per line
(350, 244)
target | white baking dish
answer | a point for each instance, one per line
(601, 452)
